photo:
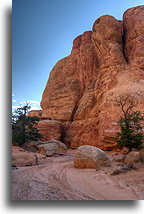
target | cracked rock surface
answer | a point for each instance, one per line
(81, 89)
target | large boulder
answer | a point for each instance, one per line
(52, 147)
(132, 157)
(90, 157)
(32, 145)
(21, 157)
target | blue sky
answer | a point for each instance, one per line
(42, 34)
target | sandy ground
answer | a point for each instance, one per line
(55, 178)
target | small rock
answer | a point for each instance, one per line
(132, 157)
(122, 169)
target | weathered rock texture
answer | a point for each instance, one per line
(90, 157)
(69, 79)
(104, 62)
(52, 147)
(132, 157)
(35, 113)
(50, 129)
(21, 157)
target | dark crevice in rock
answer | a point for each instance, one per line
(64, 130)
(73, 112)
(123, 44)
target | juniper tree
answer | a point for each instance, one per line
(23, 129)
(130, 134)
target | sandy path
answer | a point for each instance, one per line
(57, 179)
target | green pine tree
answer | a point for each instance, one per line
(23, 129)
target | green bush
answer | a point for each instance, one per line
(129, 138)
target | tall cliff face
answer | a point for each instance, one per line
(69, 79)
(104, 62)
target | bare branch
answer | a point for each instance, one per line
(126, 102)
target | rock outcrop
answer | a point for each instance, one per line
(21, 157)
(104, 63)
(90, 157)
(50, 129)
(35, 113)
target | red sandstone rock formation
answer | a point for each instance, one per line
(50, 129)
(35, 113)
(69, 79)
(21, 157)
(104, 62)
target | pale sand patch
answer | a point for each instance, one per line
(56, 179)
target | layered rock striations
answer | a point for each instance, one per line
(69, 79)
(81, 89)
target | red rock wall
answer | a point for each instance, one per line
(35, 113)
(104, 62)
(69, 79)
